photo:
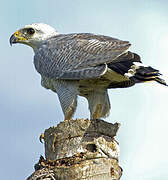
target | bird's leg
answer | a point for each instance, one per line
(54, 142)
(99, 104)
(97, 113)
(68, 117)
(67, 92)
(69, 114)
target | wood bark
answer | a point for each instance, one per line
(80, 150)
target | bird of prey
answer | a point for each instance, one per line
(83, 64)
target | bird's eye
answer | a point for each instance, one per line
(30, 31)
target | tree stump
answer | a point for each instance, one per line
(79, 150)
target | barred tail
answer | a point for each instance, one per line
(140, 73)
(130, 65)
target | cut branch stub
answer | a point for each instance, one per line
(81, 149)
(71, 137)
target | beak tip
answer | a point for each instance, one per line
(12, 40)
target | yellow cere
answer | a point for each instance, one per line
(18, 35)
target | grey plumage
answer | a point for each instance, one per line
(77, 56)
(71, 59)
(83, 64)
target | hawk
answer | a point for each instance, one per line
(83, 64)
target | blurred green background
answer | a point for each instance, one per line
(27, 109)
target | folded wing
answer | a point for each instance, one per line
(78, 56)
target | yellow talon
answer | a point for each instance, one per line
(43, 164)
(41, 137)
(97, 113)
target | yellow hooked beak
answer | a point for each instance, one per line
(16, 38)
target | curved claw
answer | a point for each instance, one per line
(41, 138)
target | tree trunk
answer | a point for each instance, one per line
(79, 149)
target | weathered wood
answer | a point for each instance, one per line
(80, 149)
